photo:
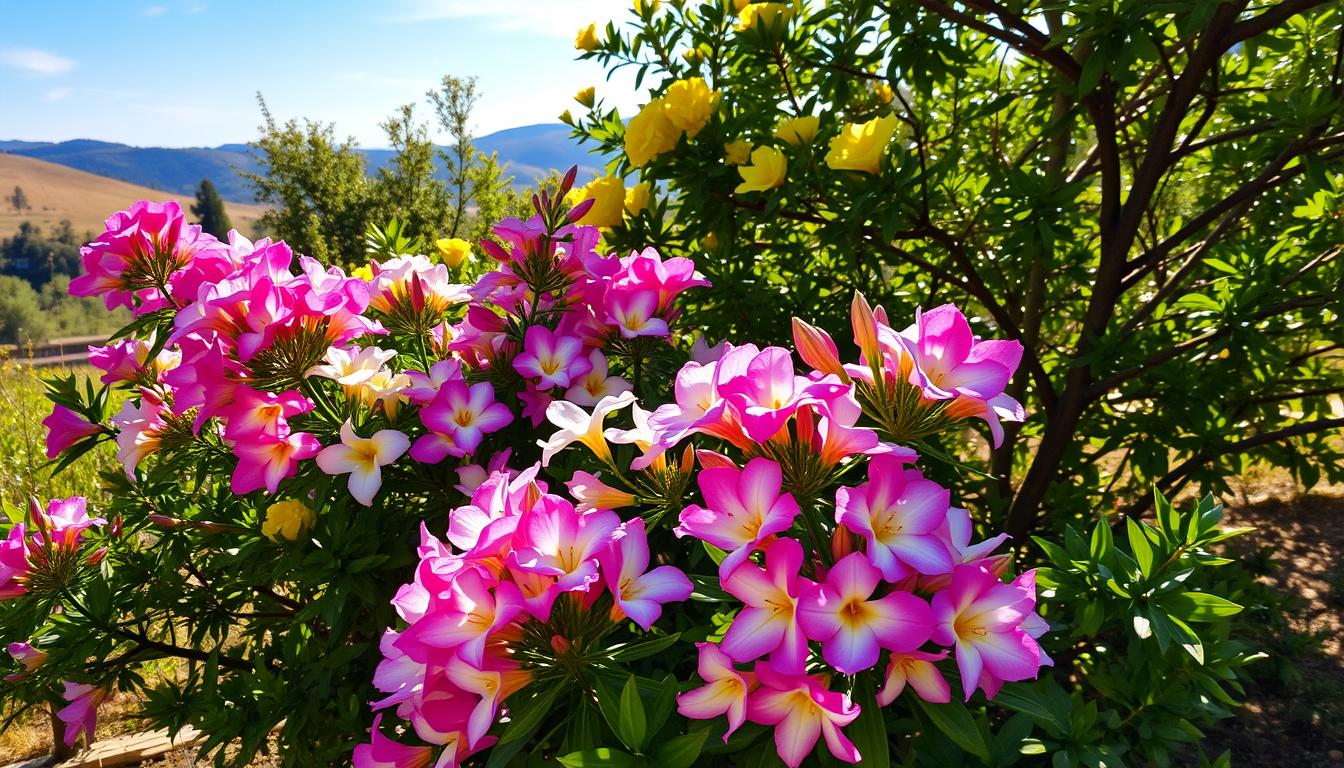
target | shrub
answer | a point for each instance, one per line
(1146, 196)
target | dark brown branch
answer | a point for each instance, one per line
(1258, 25)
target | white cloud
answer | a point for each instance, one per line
(55, 94)
(547, 17)
(150, 11)
(35, 62)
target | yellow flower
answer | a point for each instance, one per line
(767, 170)
(737, 152)
(287, 520)
(566, 118)
(608, 195)
(364, 273)
(650, 134)
(860, 146)
(637, 198)
(738, 5)
(650, 6)
(586, 96)
(453, 250)
(693, 55)
(798, 130)
(689, 104)
(883, 91)
(769, 15)
(587, 40)
(710, 242)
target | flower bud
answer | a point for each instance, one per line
(842, 543)
(586, 96)
(865, 331)
(818, 349)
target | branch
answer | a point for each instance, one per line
(1038, 47)
(1272, 18)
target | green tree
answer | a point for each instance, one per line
(209, 210)
(1147, 196)
(475, 179)
(23, 320)
(38, 257)
(408, 186)
(19, 200)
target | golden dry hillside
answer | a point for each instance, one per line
(56, 192)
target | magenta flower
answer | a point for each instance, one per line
(14, 565)
(124, 360)
(769, 623)
(639, 594)
(742, 508)
(66, 520)
(139, 427)
(554, 540)
(65, 428)
(596, 384)
(987, 622)
(898, 513)
(647, 270)
(425, 386)
(852, 626)
(802, 710)
(917, 669)
(265, 460)
(28, 657)
(634, 313)
(383, 752)
(553, 359)
(253, 412)
(725, 691)
(143, 241)
(463, 616)
(80, 715)
(458, 418)
(492, 684)
(768, 393)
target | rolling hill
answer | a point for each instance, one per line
(56, 192)
(528, 152)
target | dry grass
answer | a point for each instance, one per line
(56, 192)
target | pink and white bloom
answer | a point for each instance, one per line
(553, 539)
(917, 669)
(802, 710)
(898, 513)
(352, 366)
(65, 428)
(363, 458)
(725, 692)
(638, 594)
(767, 393)
(989, 623)
(634, 313)
(596, 384)
(578, 425)
(66, 520)
(264, 460)
(139, 427)
(852, 626)
(591, 493)
(462, 618)
(27, 656)
(769, 623)
(80, 715)
(382, 752)
(253, 412)
(424, 385)
(458, 418)
(491, 684)
(552, 358)
(743, 507)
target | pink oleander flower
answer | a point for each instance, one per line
(743, 508)
(80, 715)
(441, 719)
(596, 384)
(140, 244)
(458, 418)
(802, 710)
(769, 623)
(634, 313)
(28, 657)
(14, 564)
(897, 512)
(65, 520)
(767, 393)
(462, 617)
(65, 428)
(413, 283)
(265, 460)
(949, 362)
(698, 406)
(128, 360)
(725, 693)
(363, 458)
(591, 493)
(383, 752)
(424, 386)
(640, 594)
(492, 684)
(988, 623)
(139, 428)
(955, 533)
(917, 669)
(577, 425)
(648, 271)
(852, 626)
(553, 539)
(253, 412)
(553, 359)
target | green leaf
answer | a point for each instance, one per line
(715, 554)
(869, 730)
(1198, 606)
(632, 727)
(602, 756)
(1103, 544)
(957, 723)
(524, 718)
(634, 651)
(681, 751)
(1140, 546)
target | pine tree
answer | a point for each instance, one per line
(209, 211)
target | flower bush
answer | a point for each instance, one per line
(521, 519)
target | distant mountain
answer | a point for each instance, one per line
(527, 153)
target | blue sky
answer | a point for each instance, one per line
(185, 72)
